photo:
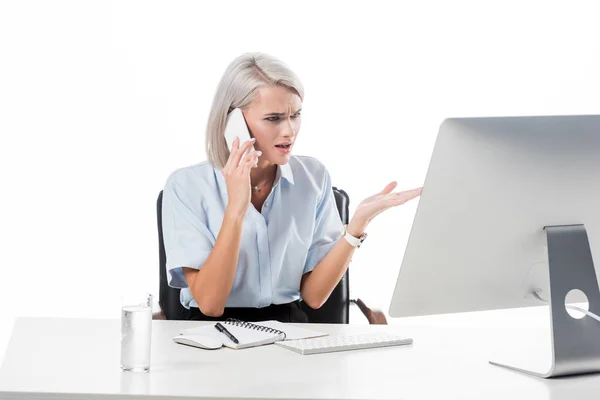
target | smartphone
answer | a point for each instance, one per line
(236, 127)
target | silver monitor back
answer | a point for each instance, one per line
(493, 184)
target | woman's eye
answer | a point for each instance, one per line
(273, 119)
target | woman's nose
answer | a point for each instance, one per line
(288, 130)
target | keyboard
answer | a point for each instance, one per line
(330, 344)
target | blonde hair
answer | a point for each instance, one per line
(237, 89)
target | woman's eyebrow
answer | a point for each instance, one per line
(280, 114)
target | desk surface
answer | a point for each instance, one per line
(449, 359)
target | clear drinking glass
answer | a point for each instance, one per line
(136, 331)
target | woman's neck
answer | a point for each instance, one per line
(264, 172)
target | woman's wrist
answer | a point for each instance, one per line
(356, 227)
(234, 214)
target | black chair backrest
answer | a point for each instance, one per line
(168, 297)
(335, 309)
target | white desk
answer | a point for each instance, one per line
(67, 358)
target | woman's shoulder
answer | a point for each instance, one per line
(191, 176)
(309, 174)
(307, 165)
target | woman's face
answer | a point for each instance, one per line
(274, 120)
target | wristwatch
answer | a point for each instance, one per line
(354, 241)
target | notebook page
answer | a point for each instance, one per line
(247, 337)
(292, 332)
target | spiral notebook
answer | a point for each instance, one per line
(253, 334)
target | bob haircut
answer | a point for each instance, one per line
(238, 89)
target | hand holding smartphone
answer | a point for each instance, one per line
(236, 127)
(239, 164)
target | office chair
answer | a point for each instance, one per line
(335, 310)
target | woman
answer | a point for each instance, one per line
(249, 235)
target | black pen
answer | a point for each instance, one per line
(222, 329)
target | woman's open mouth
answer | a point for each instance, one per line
(284, 148)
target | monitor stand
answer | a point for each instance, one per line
(575, 343)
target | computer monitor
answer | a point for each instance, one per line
(478, 240)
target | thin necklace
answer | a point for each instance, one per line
(258, 188)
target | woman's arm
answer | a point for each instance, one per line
(211, 285)
(317, 285)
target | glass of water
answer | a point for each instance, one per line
(136, 331)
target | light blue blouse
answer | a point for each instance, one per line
(297, 226)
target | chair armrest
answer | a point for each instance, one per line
(159, 315)
(375, 317)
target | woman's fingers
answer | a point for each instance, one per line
(389, 187)
(377, 204)
(385, 192)
(250, 161)
(412, 193)
(237, 154)
(251, 158)
(234, 146)
(402, 197)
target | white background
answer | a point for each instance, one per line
(101, 101)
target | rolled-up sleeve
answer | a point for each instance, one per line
(188, 241)
(328, 227)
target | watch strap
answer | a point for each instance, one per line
(353, 240)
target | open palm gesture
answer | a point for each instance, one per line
(374, 205)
